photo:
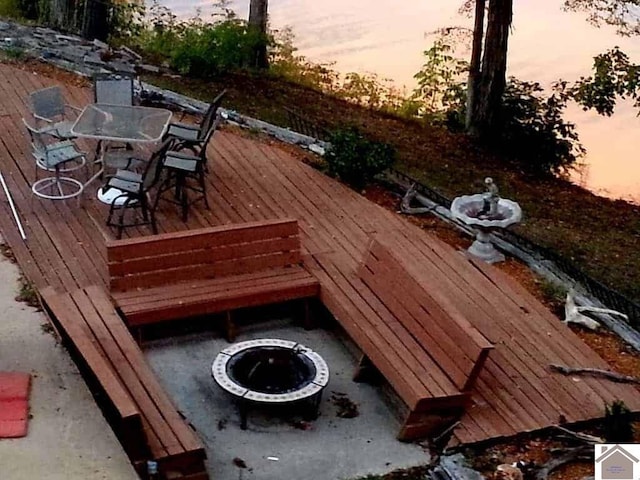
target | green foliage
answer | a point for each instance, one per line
(355, 159)
(367, 90)
(126, 20)
(286, 62)
(15, 53)
(618, 426)
(614, 76)
(553, 292)
(19, 9)
(533, 132)
(196, 47)
(441, 90)
(10, 8)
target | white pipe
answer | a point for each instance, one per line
(13, 208)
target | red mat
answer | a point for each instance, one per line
(14, 404)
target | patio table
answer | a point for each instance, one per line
(120, 123)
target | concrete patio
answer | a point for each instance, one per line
(327, 448)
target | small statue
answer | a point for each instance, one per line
(490, 199)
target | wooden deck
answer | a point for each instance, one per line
(248, 180)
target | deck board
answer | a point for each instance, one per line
(251, 180)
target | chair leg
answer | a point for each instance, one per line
(148, 213)
(202, 182)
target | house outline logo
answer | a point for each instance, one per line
(616, 462)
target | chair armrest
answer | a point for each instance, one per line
(187, 126)
(59, 145)
(44, 119)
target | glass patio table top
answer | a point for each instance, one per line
(122, 123)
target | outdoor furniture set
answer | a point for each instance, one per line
(177, 165)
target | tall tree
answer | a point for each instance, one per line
(488, 88)
(258, 25)
(473, 82)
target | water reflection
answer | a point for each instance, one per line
(387, 37)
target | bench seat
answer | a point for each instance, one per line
(144, 418)
(185, 299)
(206, 271)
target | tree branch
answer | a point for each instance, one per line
(595, 372)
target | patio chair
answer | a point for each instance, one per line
(182, 167)
(128, 190)
(193, 137)
(48, 106)
(113, 88)
(53, 158)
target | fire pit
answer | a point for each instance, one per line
(271, 372)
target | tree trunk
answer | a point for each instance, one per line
(476, 59)
(258, 23)
(492, 81)
(96, 20)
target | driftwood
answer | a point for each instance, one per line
(595, 372)
(583, 453)
(405, 205)
(573, 313)
(583, 437)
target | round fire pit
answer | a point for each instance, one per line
(271, 371)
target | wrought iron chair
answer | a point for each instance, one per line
(193, 137)
(48, 106)
(127, 190)
(180, 168)
(52, 158)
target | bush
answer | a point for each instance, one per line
(11, 8)
(195, 47)
(532, 131)
(355, 159)
(206, 50)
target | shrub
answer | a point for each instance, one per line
(9, 8)
(532, 131)
(196, 47)
(355, 159)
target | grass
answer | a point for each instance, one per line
(28, 293)
(597, 234)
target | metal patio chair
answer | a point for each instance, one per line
(180, 168)
(193, 137)
(54, 157)
(50, 110)
(128, 190)
(114, 89)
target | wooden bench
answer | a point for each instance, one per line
(450, 351)
(145, 420)
(209, 270)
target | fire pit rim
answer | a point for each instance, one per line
(220, 375)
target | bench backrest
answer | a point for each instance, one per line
(202, 254)
(454, 344)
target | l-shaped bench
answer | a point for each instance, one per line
(429, 355)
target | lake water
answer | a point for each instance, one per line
(387, 37)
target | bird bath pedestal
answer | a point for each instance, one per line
(486, 212)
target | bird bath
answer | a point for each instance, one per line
(487, 212)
